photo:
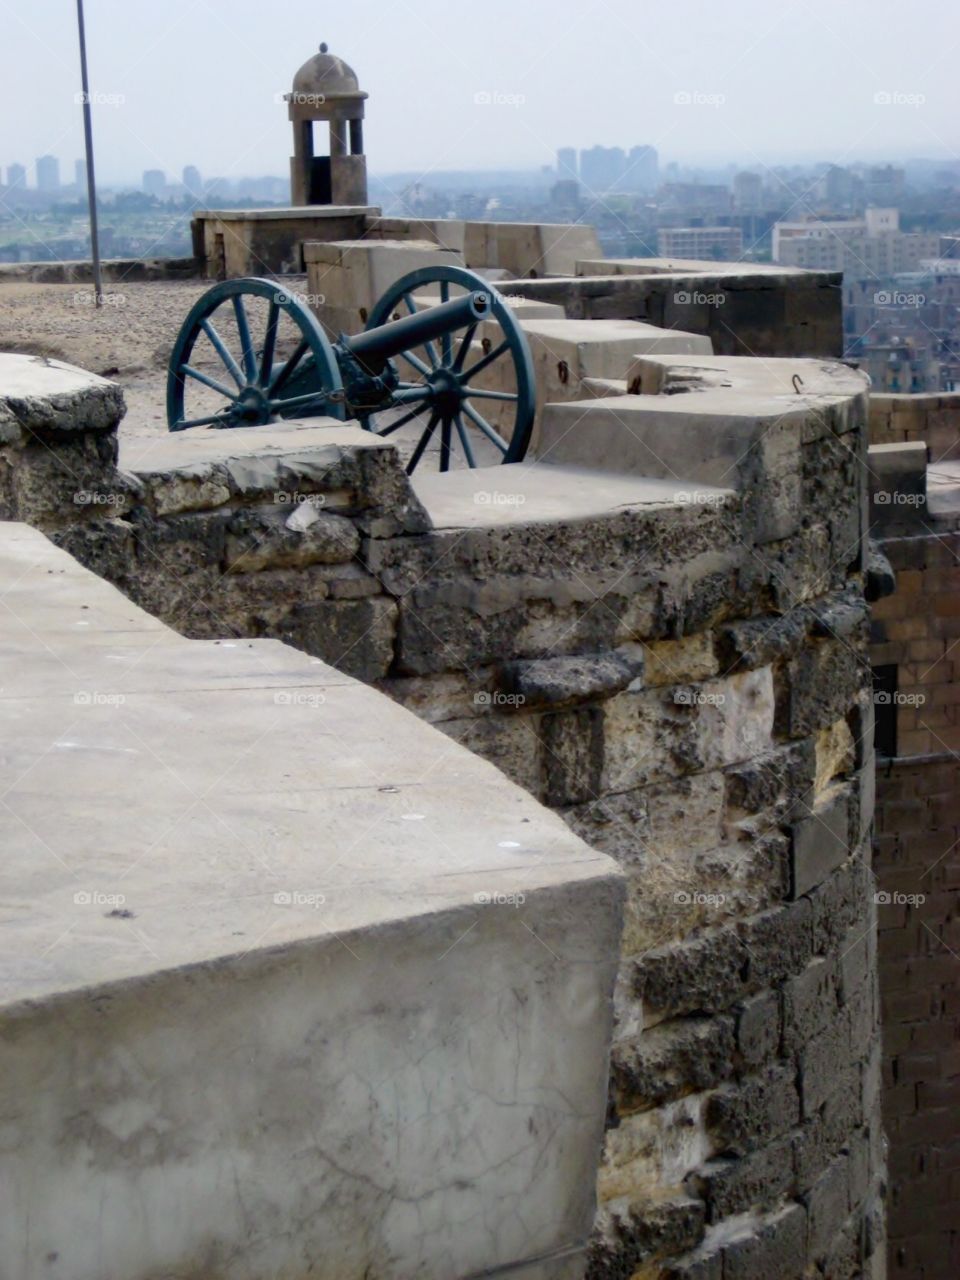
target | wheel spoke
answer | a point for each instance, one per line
(221, 349)
(416, 363)
(212, 383)
(464, 435)
(401, 422)
(445, 445)
(424, 441)
(485, 427)
(406, 395)
(199, 422)
(284, 374)
(246, 343)
(269, 344)
(488, 359)
(296, 401)
(465, 342)
(479, 393)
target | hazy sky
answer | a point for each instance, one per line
(751, 81)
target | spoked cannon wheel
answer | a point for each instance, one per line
(447, 385)
(249, 353)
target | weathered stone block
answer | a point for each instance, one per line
(572, 755)
(744, 1116)
(772, 1247)
(355, 636)
(758, 1029)
(280, 539)
(671, 1059)
(565, 681)
(754, 1182)
(819, 843)
(809, 1003)
(629, 1234)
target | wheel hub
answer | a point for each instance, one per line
(251, 407)
(446, 392)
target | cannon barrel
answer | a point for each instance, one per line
(375, 346)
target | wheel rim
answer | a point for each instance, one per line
(255, 386)
(438, 389)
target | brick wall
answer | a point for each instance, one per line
(916, 652)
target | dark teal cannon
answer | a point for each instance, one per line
(443, 370)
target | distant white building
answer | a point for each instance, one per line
(717, 243)
(872, 245)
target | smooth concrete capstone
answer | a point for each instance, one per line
(290, 981)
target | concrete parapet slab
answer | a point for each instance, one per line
(288, 980)
(347, 278)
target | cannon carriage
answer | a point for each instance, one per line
(442, 354)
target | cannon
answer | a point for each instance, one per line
(443, 368)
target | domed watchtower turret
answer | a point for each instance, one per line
(326, 89)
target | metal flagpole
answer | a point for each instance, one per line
(88, 141)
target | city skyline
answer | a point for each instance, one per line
(696, 85)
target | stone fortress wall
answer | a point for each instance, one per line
(671, 656)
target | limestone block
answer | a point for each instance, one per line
(529, 249)
(350, 276)
(355, 636)
(284, 539)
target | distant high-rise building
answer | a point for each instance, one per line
(80, 174)
(643, 170)
(601, 168)
(839, 187)
(48, 173)
(154, 182)
(567, 164)
(16, 176)
(884, 185)
(747, 192)
(193, 181)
